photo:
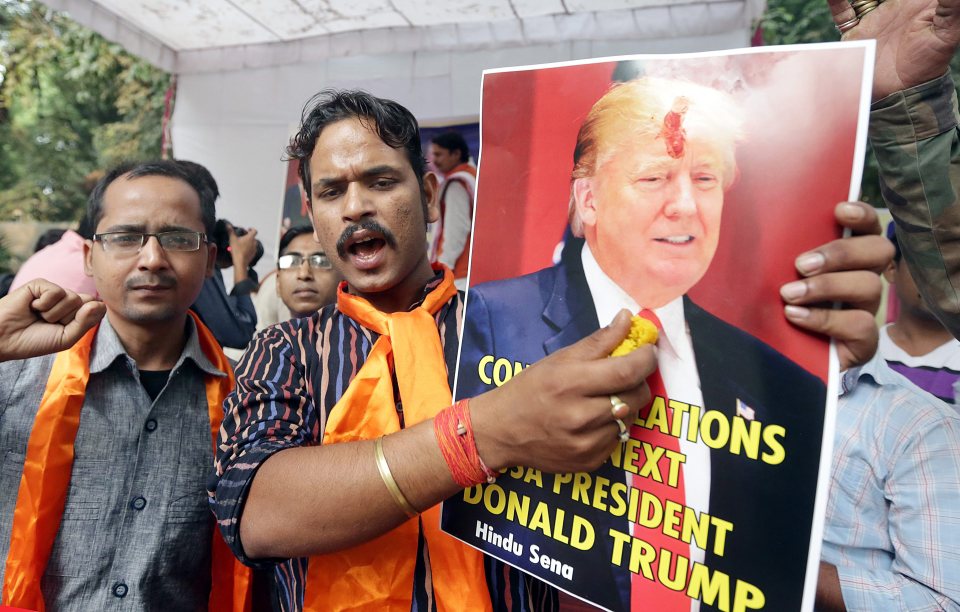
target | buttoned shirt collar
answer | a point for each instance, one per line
(875, 369)
(108, 348)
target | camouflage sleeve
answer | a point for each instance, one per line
(916, 140)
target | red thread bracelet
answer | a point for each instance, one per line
(464, 413)
(454, 432)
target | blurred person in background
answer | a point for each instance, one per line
(449, 236)
(60, 261)
(58, 254)
(48, 237)
(917, 345)
(230, 316)
(306, 279)
(270, 308)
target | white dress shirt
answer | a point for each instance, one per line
(678, 370)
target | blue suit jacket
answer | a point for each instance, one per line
(771, 507)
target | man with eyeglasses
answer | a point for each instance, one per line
(105, 446)
(306, 280)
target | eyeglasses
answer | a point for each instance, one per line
(132, 242)
(295, 260)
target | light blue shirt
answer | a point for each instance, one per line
(893, 511)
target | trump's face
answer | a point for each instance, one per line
(652, 220)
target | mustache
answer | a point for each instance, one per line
(158, 280)
(369, 225)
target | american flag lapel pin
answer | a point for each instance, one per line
(745, 411)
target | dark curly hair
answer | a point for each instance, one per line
(394, 124)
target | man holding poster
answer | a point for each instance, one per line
(323, 467)
(694, 506)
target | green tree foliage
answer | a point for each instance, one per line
(71, 102)
(788, 22)
(792, 22)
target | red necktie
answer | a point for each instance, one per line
(644, 593)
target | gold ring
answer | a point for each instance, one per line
(848, 25)
(862, 7)
(616, 402)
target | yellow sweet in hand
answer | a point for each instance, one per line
(642, 332)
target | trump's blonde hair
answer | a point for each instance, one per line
(636, 109)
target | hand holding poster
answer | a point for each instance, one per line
(713, 502)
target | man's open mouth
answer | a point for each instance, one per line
(366, 246)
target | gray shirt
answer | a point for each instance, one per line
(135, 533)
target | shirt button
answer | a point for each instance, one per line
(138, 503)
(120, 590)
(151, 425)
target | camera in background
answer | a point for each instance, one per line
(221, 237)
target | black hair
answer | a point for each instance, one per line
(47, 238)
(210, 191)
(191, 173)
(394, 124)
(453, 141)
(293, 232)
(84, 228)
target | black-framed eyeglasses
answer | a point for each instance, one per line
(132, 242)
(295, 260)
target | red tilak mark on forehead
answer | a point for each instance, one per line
(673, 134)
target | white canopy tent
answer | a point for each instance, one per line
(246, 67)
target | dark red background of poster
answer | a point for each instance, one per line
(794, 167)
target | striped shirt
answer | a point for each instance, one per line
(288, 381)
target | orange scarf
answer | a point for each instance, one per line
(378, 575)
(46, 479)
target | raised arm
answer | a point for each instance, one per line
(914, 135)
(40, 318)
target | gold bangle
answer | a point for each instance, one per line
(391, 483)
